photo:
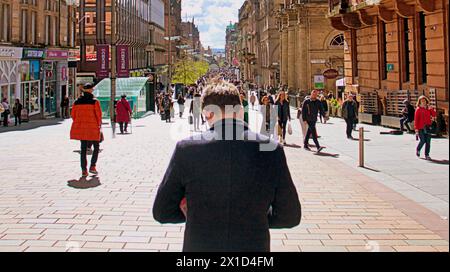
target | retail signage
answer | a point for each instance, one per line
(102, 61)
(122, 61)
(11, 52)
(33, 53)
(331, 73)
(319, 82)
(57, 54)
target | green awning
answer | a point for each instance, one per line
(130, 86)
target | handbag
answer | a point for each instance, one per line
(163, 116)
(290, 129)
(102, 137)
(191, 120)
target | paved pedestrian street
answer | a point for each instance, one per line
(344, 209)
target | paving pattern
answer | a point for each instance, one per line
(343, 208)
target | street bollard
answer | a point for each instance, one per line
(361, 147)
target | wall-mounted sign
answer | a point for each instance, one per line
(122, 61)
(102, 61)
(57, 54)
(319, 82)
(390, 67)
(33, 53)
(318, 61)
(331, 73)
(10, 52)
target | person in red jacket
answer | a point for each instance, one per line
(124, 112)
(86, 127)
(422, 122)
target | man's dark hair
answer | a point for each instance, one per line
(221, 93)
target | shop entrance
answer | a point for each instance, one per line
(31, 92)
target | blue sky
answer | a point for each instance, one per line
(212, 18)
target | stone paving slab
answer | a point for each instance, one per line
(343, 209)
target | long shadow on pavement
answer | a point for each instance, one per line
(324, 154)
(32, 125)
(443, 162)
(84, 183)
(293, 146)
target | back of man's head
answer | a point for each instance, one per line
(222, 94)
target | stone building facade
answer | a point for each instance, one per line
(35, 40)
(231, 39)
(395, 49)
(310, 46)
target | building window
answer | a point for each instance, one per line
(338, 41)
(406, 59)
(383, 53)
(423, 49)
(5, 22)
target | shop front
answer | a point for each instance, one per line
(30, 80)
(10, 58)
(56, 77)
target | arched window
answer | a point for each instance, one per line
(338, 41)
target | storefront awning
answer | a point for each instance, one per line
(130, 86)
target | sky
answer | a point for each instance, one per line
(212, 17)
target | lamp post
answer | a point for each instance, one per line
(113, 66)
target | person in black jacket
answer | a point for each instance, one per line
(227, 209)
(408, 116)
(284, 113)
(17, 111)
(324, 116)
(310, 109)
(350, 114)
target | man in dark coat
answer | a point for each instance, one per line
(225, 185)
(408, 113)
(310, 109)
(350, 114)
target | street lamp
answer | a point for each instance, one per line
(113, 67)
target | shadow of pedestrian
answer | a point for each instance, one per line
(293, 146)
(84, 183)
(443, 162)
(324, 154)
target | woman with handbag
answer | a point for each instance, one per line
(86, 127)
(422, 122)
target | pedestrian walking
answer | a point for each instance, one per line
(17, 112)
(195, 110)
(408, 113)
(269, 118)
(310, 109)
(423, 125)
(245, 104)
(253, 100)
(166, 107)
(350, 114)
(86, 127)
(124, 112)
(324, 112)
(65, 107)
(284, 114)
(303, 124)
(181, 101)
(6, 111)
(227, 211)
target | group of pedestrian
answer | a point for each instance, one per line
(5, 112)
